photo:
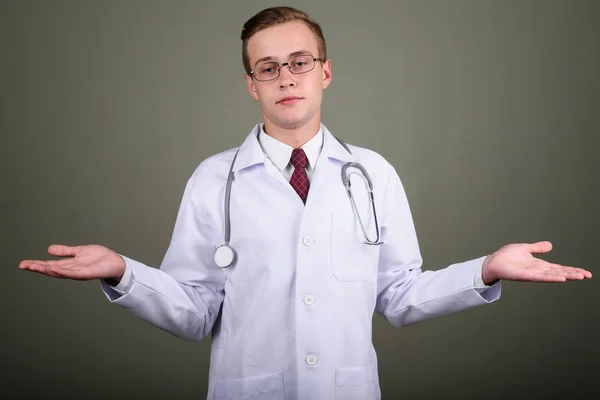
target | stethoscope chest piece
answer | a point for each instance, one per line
(224, 256)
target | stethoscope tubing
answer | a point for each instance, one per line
(225, 255)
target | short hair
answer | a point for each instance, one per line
(274, 16)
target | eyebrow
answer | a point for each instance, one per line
(271, 58)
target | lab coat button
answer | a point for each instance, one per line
(308, 240)
(309, 300)
(311, 359)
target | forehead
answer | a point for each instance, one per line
(280, 40)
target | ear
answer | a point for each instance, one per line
(251, 88)
(326, 73)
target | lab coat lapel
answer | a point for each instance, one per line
(327, 175)
(251, 153)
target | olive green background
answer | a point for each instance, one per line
(489, 110)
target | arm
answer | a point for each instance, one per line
(183, 297)
(406, 294)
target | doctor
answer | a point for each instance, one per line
(290, 308)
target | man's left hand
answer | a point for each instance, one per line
(515, 262)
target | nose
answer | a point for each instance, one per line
(286, 78)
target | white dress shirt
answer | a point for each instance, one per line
(280, 153)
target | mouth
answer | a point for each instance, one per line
(289, 100)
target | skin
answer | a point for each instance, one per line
(295, 124)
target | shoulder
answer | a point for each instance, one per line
(387, 184)
(372, 160)
(368, 158)
(212, 172)
(216, 165)
(383, 174)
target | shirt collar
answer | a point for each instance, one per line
(251, 152)
(280, 153)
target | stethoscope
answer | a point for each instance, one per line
(225, 255)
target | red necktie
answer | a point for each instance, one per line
(299, 180)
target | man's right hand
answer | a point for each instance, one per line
(84, 263)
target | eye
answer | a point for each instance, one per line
(268, 69)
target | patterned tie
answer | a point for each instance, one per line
(299, 180)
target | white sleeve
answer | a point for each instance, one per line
(478, 279)
(408, 295)
(183, 296)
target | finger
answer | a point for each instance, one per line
(579, 271)
(574, 272)
(540, 247)
(46, 263)
(61, 250)
(569, 274)
(546, 277)
(67, 269)
(26, 264)
(41, 269)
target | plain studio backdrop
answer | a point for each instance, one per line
(489, 110)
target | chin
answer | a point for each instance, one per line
(295, 124)
(293, 121)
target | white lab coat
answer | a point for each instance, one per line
(292, 318)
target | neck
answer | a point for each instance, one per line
(294, 136)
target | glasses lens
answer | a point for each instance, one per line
(302, 64)
(267, 71)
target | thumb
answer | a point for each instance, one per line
(60, 250)
(540, 247)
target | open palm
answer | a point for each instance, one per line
(84, 263)
(516, 262)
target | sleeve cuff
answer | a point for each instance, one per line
(126, 282)
(478, 281)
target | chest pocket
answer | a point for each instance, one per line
(351, 259)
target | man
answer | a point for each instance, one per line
(291, 316)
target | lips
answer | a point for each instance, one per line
(289, 100)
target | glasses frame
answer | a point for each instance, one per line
(287, 64)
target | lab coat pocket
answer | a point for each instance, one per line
(351, 259)
(356, 383)
(264, 387)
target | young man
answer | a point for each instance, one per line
(290, 308)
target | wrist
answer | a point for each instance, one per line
(115, 280)
(487, 275)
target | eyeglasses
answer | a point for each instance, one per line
(297, 65)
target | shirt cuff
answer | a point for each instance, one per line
(126, 281)
(478, 281)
